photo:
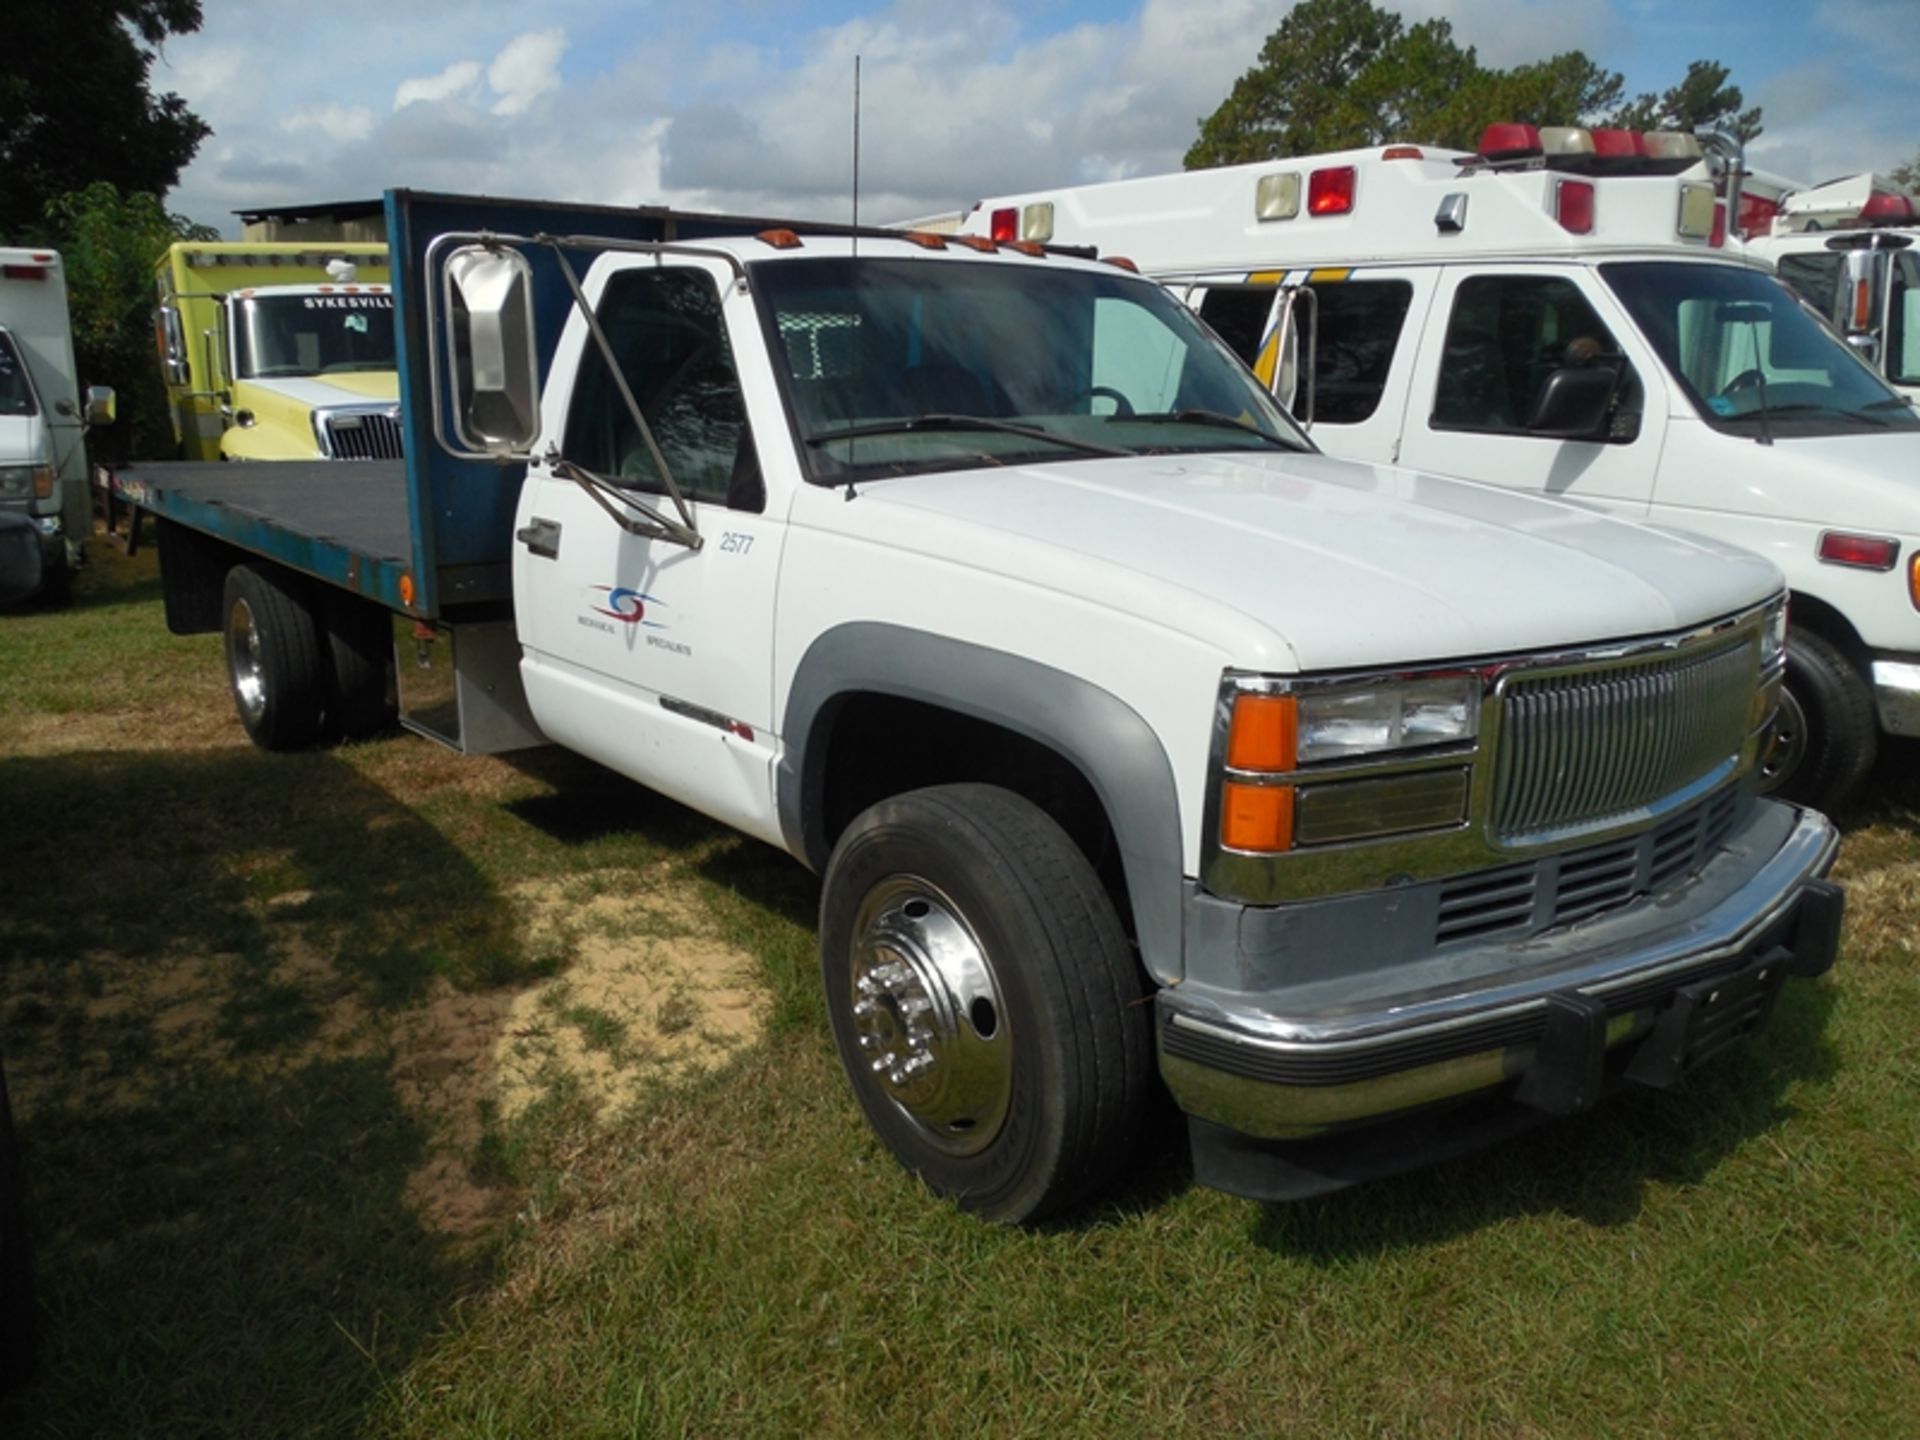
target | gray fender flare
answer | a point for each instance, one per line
(1102, 736)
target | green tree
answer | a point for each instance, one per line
(1300, 97)
(75, 106)
(1345, 73)
(109, 243)
(1907, 176)
(1702, 100)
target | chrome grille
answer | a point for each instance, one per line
(1578, 752)
(364, 435)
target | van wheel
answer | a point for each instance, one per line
(360, 699)
(273, 659)
(984, 1000)
(1825, 735)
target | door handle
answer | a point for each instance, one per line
(542, 537)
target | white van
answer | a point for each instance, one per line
(1559, 312)
(43, 457)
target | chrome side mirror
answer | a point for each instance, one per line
(1865, 298)
(488, 319)
(101, 405)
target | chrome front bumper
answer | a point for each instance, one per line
(1259, 1066)
(1896, 694)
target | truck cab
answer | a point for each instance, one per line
(43, 421)
(1372, 813)
(279, 351)
(1561, 313)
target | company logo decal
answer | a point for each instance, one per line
(629, 607)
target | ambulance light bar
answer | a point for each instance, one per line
(1007, 225)
(1859, 200)
(1575, 147)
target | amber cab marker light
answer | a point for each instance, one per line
(1256, 817)
(1913, 579)
(779, 239)
(1264, 733)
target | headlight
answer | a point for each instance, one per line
(16, 481)
(1345, 724)
(1773, 636)
(1269, 801)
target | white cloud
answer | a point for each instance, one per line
(456, 79)
(527, 68)
(336, 122)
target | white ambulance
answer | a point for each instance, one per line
(1848, 247)
(43, 458)
(1560, 312)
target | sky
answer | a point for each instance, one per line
(747, 105)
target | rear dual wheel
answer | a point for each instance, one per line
(302, 672)
(985, 1002)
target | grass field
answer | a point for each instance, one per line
(384, 1092)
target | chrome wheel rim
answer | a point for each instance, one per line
(928, 1016)
(244, 665)
(1786, 743)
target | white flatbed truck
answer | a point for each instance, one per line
(1380, 814)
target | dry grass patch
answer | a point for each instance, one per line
(650, 993)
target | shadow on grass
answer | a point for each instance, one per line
(1594, 1168)
(220, 1216)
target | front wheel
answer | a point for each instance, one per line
(984, 1000)
(1825, 735)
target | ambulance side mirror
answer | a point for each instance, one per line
(488, 321)
(1573, 403)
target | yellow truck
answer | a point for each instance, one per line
(278, 351)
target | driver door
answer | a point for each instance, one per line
(1492, 339)
(643, 653)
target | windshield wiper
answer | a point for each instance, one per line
(1213, 418)
(917, 423)
(1801, 407)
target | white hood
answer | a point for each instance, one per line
(1343, 564)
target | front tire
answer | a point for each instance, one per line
(984, 1000)
(274, 664)
(1826, 734)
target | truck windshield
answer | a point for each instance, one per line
(1749, 356)
(16, 393)
(909, 366)
(286, 335)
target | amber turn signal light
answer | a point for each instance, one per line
(1256, 817)
(1264, 734)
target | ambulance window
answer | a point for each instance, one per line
(1360, 324)
(1508, 333)
(666, 329)
(1815, 277)
(1238, 317)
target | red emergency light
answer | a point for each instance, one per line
(1573, 206)
(1619, 145)
(1005, 224)
(1756, 214)
(1509, 142)
(1883, 207)
(24, 272)
(1330, 192)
